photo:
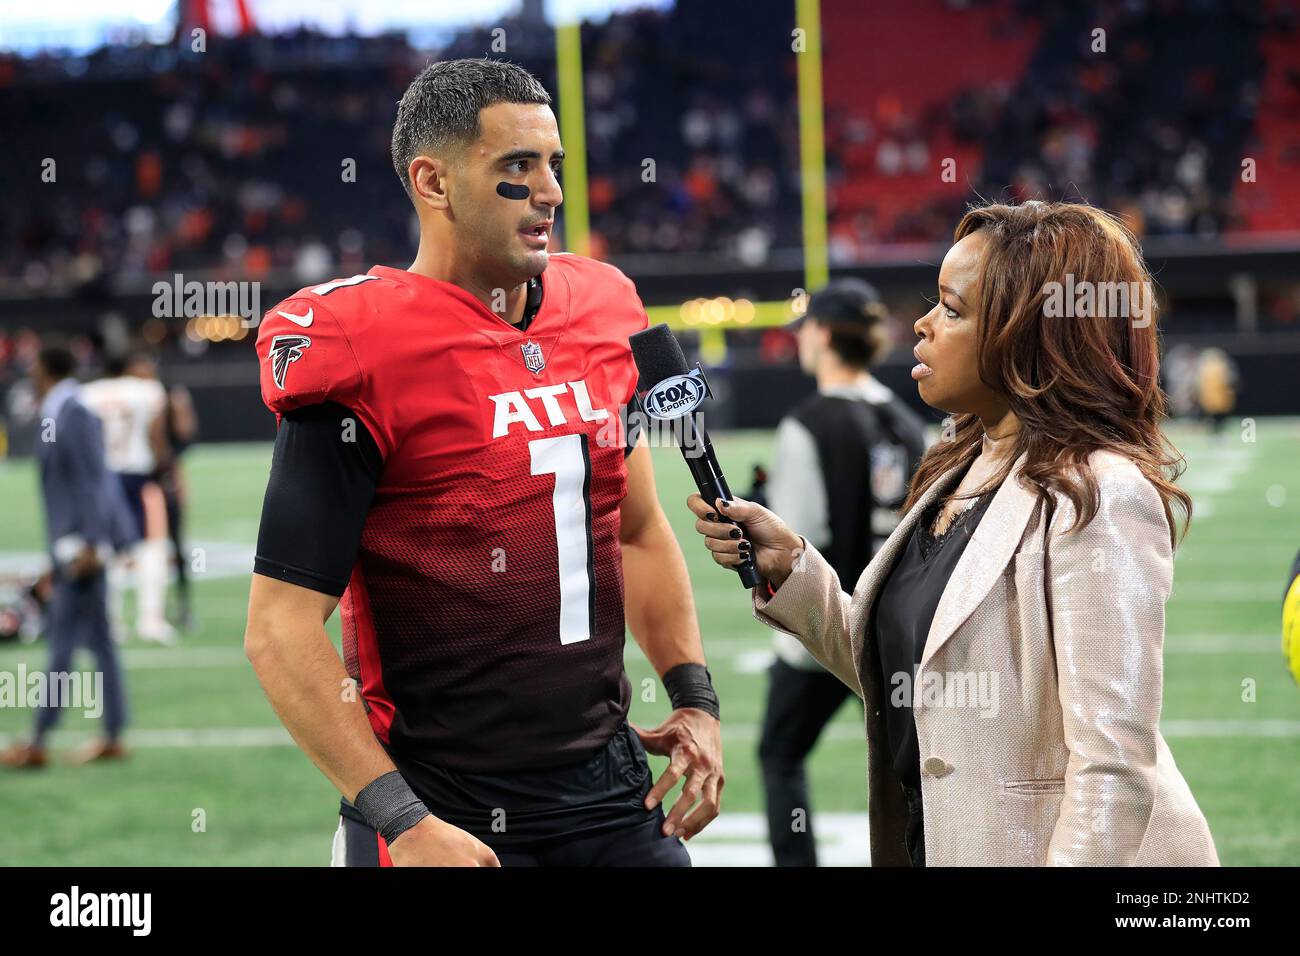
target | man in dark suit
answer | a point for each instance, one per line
(84, 521)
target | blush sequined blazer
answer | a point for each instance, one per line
(1037, 700)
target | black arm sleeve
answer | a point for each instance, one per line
(632, 416)
(324, 473)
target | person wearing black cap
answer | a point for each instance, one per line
(854, 443)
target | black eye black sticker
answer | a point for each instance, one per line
(510, 191)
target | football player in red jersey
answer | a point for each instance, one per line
(451, 463)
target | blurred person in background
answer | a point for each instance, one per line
(82, 507)
(857, 444)
(131, 403)
(1291, 622)
(1007, 640)
(1180, 364)
(1216, 383)
(180, 429)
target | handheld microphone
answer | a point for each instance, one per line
(670, 391)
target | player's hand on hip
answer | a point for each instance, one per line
(433, 842)
(692, 741)
(766, 536)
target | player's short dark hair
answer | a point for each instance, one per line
(439, 110)
(57, 361)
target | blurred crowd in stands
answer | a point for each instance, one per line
(1154, 128)
(233, 159)
(1145, 108)
(236, 159)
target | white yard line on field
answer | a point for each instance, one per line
(745, 655)
(145, 658)
(1208, 478)
(239, 738)
(740, 839)
(1221, 592)
(220, 559)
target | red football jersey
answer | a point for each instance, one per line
(483, 619)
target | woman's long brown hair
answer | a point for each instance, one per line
(1077, 383)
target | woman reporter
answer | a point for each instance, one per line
(1007, 638)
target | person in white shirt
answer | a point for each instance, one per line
(130, 405)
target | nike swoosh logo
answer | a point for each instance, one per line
(303, 320)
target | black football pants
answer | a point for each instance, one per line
(589, 813)
(800, 703)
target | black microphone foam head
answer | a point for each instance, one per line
(658, 355)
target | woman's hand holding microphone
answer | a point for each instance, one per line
(773, 544)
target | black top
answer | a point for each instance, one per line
(901, 622)
(859, 444)
(532, 303)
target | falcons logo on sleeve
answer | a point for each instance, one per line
(285, 350)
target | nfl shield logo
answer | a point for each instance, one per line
(532, 356)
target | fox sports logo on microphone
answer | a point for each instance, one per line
(676, 396)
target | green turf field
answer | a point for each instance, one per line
(213, 781)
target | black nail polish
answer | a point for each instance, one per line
(711, 516)
(744, 546)
(735, 532)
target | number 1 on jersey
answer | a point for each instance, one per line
(566, 457)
